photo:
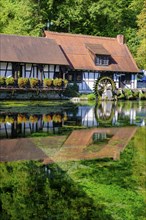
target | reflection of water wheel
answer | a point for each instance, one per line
(102, 85)
(102, 116)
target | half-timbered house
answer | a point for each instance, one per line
(91, 57)
(31, 57)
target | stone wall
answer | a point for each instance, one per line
(31, 95)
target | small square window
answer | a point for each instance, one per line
(101, 60)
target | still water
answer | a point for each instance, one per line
(36, 183)
(23, 122)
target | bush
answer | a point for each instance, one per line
(10, 81)
(22, 82)
(135, 94)
(72, 91)
(33, 82)
(47, 82)
(91, 96)
(2, 81)
(127, 93)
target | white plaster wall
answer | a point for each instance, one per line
(88, 81)
(3, 69)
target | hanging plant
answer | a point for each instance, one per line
(58, 82)
(33, 82)
(22, 82)
(2, 81)
(47, 82)
(10, 81)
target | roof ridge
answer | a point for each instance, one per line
(80, 35)
(15, 35)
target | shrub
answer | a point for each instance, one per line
(47, 82)
(33, 82)
(2, 81)
(91, 96)
(127, 93)
(10, 81)
(72, 91)
(22, 82)
(135, 94)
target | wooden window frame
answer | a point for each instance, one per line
(101, 60)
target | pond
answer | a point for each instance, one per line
(23, 120)
(63, 160)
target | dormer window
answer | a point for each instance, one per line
(99, 54)
(101, 60)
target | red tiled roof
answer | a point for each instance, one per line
(77, 52)
(28, 49)
(97, 49)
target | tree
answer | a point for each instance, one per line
(141, 52)
(20, 17)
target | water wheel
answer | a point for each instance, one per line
(104, 85)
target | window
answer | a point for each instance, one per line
(78, 77)
(74, 76)
(102, 60)
(70, 77)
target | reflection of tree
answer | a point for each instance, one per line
(104, 112)
(32, 191)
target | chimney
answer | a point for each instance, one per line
(120, 38)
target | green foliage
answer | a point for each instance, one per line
(28, 191)
(2, 81)
(20, 17)
(72, 91)
(141, 52)
(33, 82)
(22, 82)
(127, 93)
(119, 185)
(10, 81)
(47, 82)
(91, 96)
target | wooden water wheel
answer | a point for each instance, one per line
(102, 85)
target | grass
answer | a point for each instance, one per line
(119, 185)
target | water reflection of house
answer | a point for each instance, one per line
(13, 128)
(88, 116)
(109, 112)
